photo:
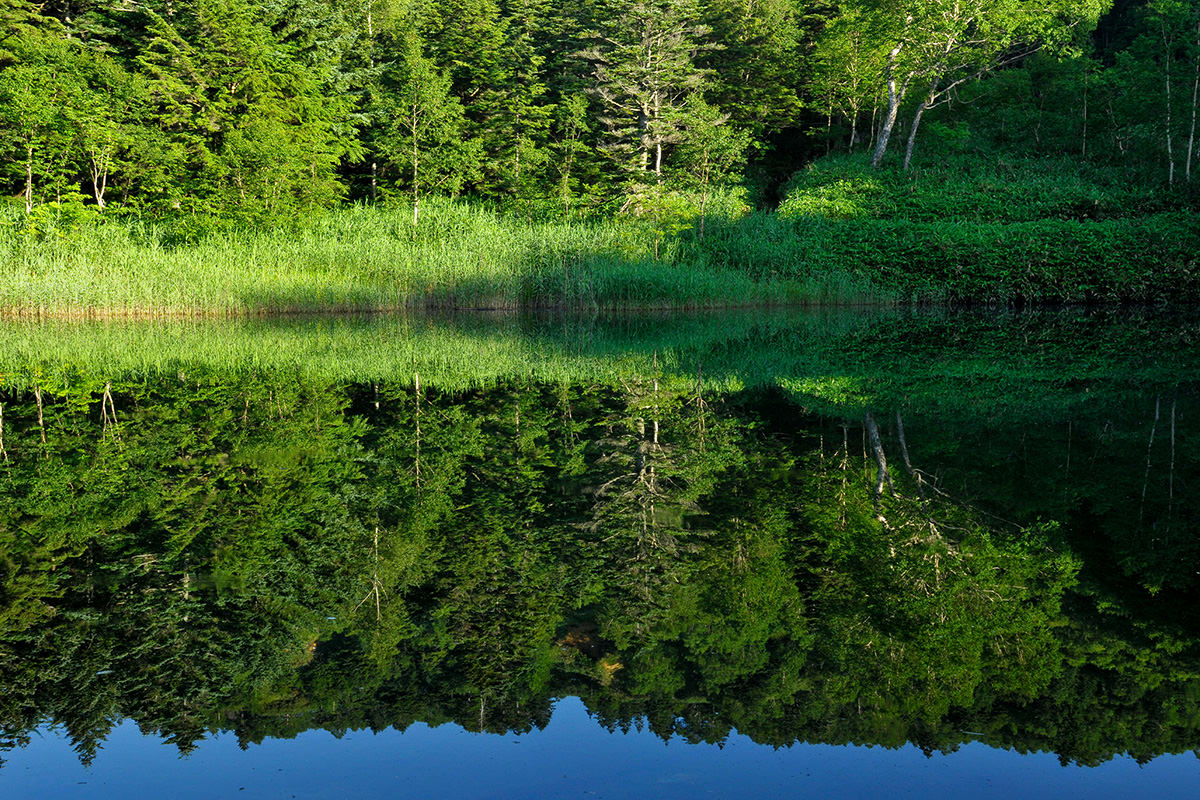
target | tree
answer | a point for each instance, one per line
(251, 129)
(571, 125)
(937, 46)
(645, 62)
(1149, 93)
(709, 151)
(1174, 26)
(36, 121)
(108, 118)
(848, 64)
(426, 134)
(758, 70)
(522, 114)
(19, 20)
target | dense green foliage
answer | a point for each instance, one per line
(267, 109)
(671, 536)
(611, 153)
(1018, 228)
(1002, 366)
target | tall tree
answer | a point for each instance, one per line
(710, 151)
(646, 65)
(254, 130)
(426, 133)
(37, 99)
(758, 71)
(850, 59)
(933, 47)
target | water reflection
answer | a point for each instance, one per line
(264, 551)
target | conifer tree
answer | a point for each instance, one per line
(645, 65)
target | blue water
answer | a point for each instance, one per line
(572, 757)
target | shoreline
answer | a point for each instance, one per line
(465, 258)
(209, 315)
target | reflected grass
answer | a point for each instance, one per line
(835, 362)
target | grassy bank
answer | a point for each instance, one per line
(970, 229)
(845, 234)
(364, 259)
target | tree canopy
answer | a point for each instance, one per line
(249, 109)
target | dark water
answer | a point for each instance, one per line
(927, 554)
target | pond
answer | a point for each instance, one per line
(836, 552)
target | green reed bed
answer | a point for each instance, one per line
(952, 233)
(360, 259)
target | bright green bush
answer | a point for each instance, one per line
(1154, 258)
(973, 187)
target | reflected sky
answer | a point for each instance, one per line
(571, 757)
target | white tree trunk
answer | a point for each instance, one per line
(1167, 83)
(894, 96)
(1195, 95)
(916, 123)
(29, 180)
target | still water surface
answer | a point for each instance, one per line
(754, 555)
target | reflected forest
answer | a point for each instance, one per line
(266, 552)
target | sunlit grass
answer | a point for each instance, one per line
(363, 259)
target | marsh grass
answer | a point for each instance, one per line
(845, 236)
(363, 259)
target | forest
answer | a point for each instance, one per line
(988, 146)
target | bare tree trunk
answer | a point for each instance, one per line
(894, 97)
(912, 134)
(1083, 150)
(845, 465)
(29, 179)
(882, 475)
(1167, 82)
(643, 128)
(1149, 448)
(108, 412)
(1195, 95)
(37, 393)
(1171, 474)
(371, 67)
(416, 173)
(828, 128)
(375, 579)
(417, 417)
(657, 137)
(517, 152)
(1070, 439)
(99, 184)
(874, 119)
(915, 473)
